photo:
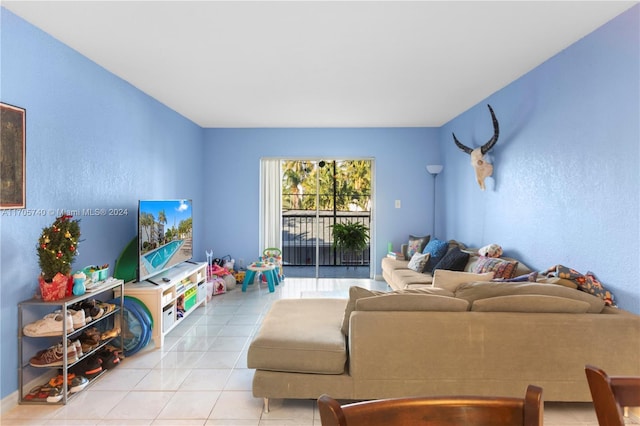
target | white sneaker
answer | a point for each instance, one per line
(77, 317)
(50, 325)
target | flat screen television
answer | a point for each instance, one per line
(165, 235)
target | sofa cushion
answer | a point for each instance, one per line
(359, 293)
(437, 249)
(418, 262)
(454, 260)
(450, 280)
(355, 293)
(530, 303)
(302, 336)
(411, 301)
(390, 265)
(483, 290)
(416, 245)
(501, 268)
(404, 278)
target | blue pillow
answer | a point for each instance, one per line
(437, 250)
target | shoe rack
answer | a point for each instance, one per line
(34, 309)
(184, 283)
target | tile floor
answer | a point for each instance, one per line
(200, 377)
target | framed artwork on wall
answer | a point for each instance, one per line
(12, 157)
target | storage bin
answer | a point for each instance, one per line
(168, 317)
(202, 292)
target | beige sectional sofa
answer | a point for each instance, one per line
(474, 338)
(397, 274)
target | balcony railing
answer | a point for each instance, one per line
(301, 229)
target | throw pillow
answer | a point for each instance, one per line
(416, 245)
(450, 280)
(418, 262)
(593, 286)
(454, 260)
(355, 293)
(437, 249)
(492, 250)
(500, 268)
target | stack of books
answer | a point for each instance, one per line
(394, 255)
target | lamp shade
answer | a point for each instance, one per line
(434, 169)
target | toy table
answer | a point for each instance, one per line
(267, 269)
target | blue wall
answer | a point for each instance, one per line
(566, 187)
(400, 156)
(93, 142)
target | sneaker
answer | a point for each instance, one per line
(78, 383)
(55, 394)
(75, 383)
(50, 325)
(77, 317)
(78, 345)
(95, 311)
(88, 367)
(53, 356)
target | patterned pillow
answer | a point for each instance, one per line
(437, 249)
(418, 262)
(593, 286)
(416, 245)
(500, 268)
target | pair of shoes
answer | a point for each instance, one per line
(50, 325)
(54, 356)
(90, 308)
(115, 332)
(94, 309)
(88, 367)
(38, 393)
(110, 358)
(74, 384)
(77, 317)
(89, 339)
(106, 307)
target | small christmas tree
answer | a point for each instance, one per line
(58, 246)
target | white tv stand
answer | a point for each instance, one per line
(161, 296)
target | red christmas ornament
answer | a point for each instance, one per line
(72, 248)
(44, 246)
(59, 254)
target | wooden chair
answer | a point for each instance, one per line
(436, 411)
(610, 394)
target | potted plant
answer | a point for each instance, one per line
(57, 248)
(351, 238)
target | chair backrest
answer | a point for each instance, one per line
(434, 411)
(610, 394)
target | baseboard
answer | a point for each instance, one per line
(10, 401)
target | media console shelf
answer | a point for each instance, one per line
(183, 286)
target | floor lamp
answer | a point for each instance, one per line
(434, 169)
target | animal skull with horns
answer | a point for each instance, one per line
(482, 168)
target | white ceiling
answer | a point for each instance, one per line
(318, 64)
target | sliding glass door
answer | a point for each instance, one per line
(318, 196)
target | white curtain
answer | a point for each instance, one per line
(270, 207)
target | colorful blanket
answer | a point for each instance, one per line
(588, 282)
